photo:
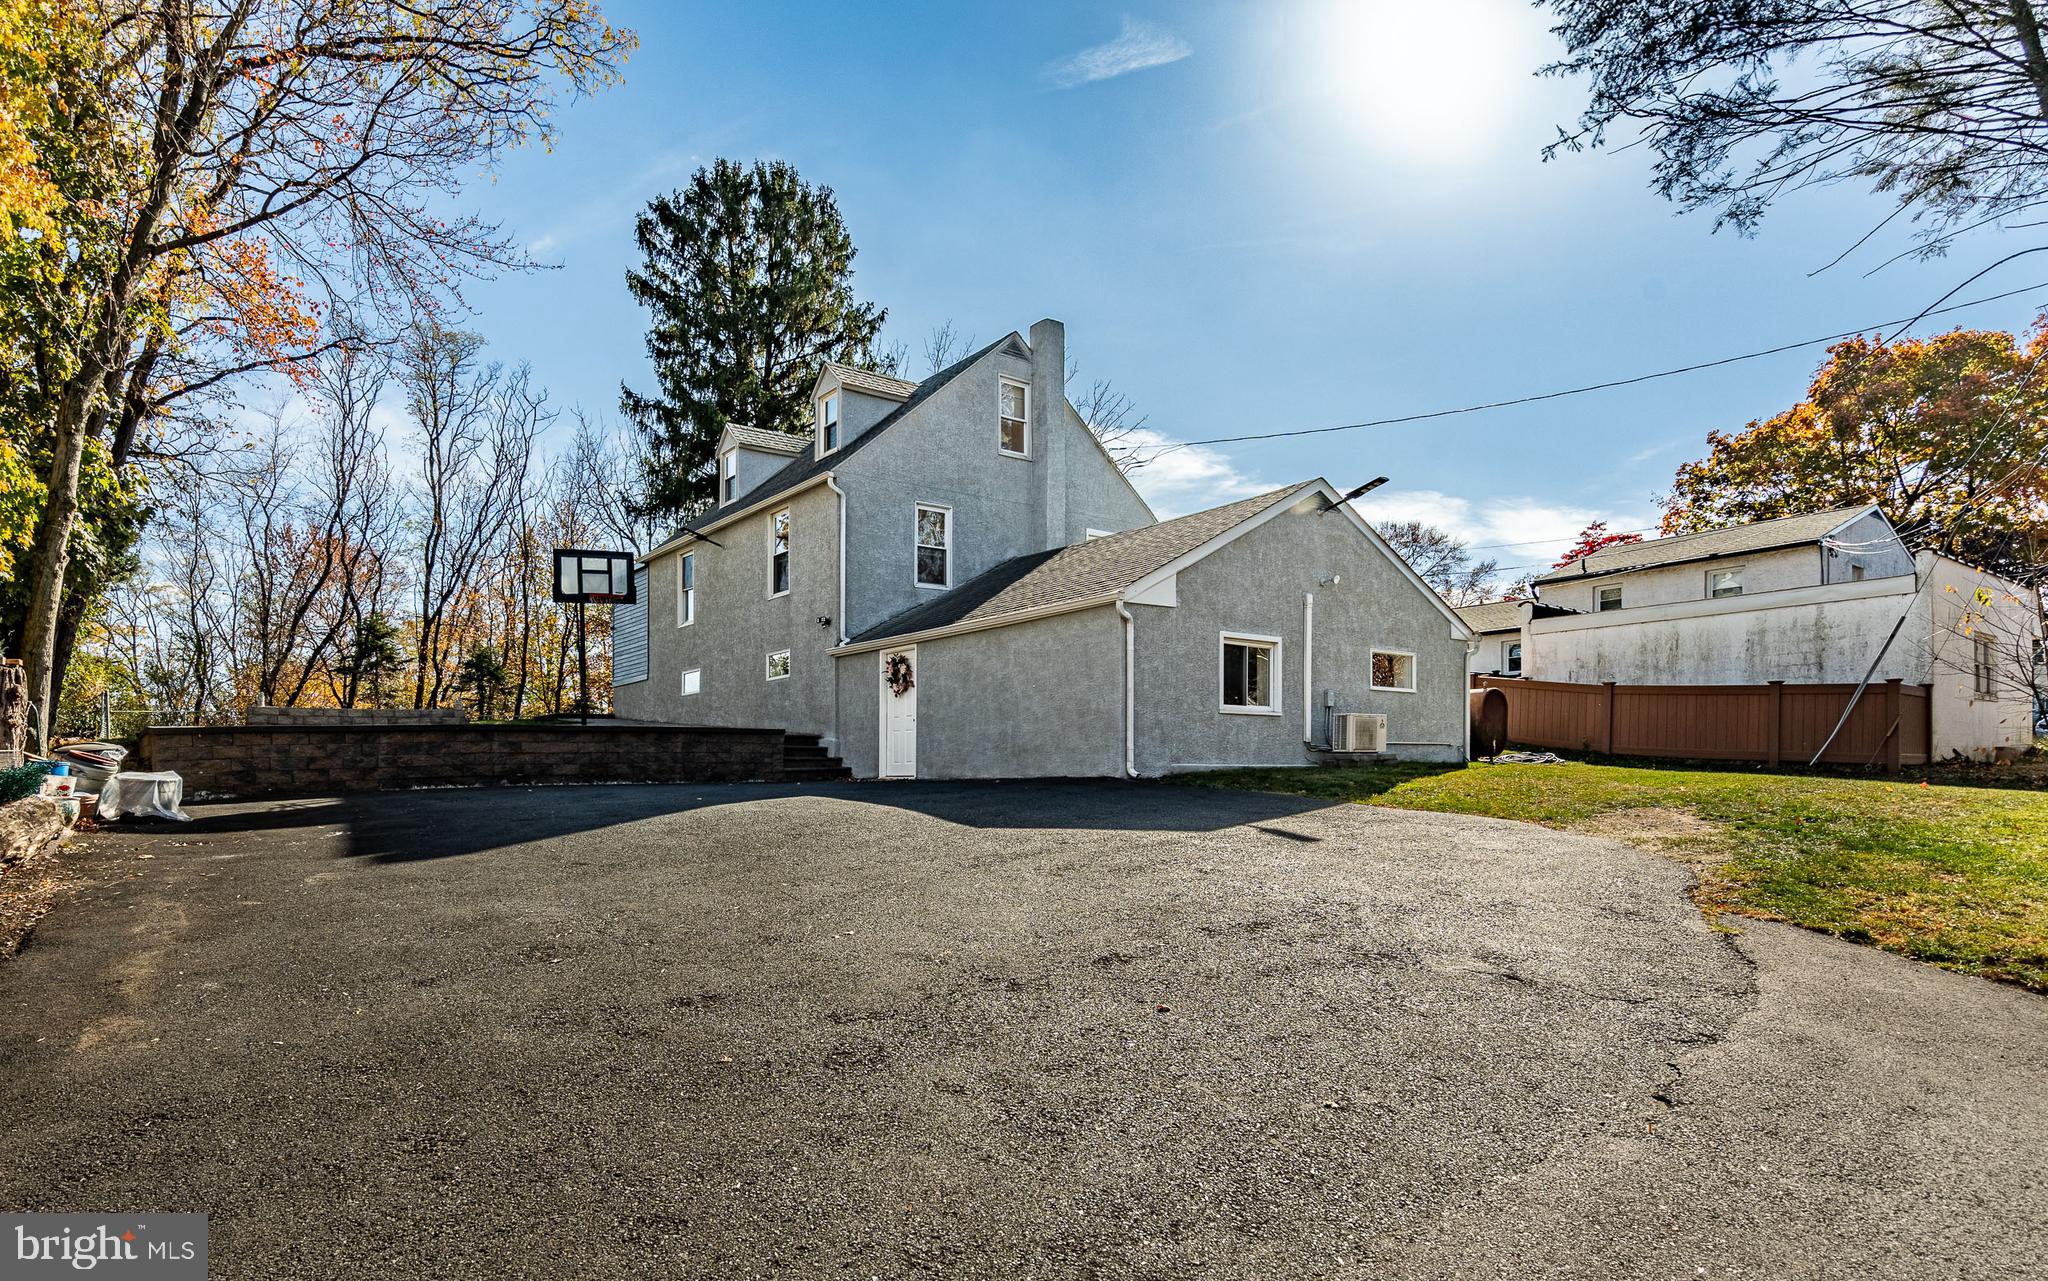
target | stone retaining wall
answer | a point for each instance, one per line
(252, 760)
(357, 716)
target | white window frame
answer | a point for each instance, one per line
(1372, 678)
(1713, 574)
(1019, 384)
(917, 546)
(829, 429)
(684, 682)
(728, 477)
(768, 665)
(1600, 606)
(686, 589)
(1511, 658)
(1984, 666)
(789, 541)
(1224, 640)
(1094, 534)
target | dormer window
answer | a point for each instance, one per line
(828, 420)
(729, 475)
(1013, 404)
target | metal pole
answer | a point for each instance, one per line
(582, 665)
(106, 713)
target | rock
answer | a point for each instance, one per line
(27, 827)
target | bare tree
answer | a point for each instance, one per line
(1114, 418)
(1442, 560)
(943, 346)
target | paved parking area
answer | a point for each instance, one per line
(1059, 1030)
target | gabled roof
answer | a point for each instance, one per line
(1735, 540)
(802, 471)
(771, 442)
(1492, 616)
(870, 381)
(1093, 570)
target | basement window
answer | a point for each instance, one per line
(1013, 401)
(1393, 669)
(1250, 677)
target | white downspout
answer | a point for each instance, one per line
(1471, 648)
(1130, 690)
(1308, 668)
(839, 618)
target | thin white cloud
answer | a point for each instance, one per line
(1138, 46)
(1188, 479)
(1520, 533)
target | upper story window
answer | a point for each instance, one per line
(1607, 598)
(1251, 675)
(1724, 582)
(686, 589)
(1013, 400)
(1393, 669)
(1513, 666)
(828, 420)
(778, 552)
(934, 546)
(728, 475)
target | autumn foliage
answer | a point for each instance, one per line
(1949, 435)
(1591, 539)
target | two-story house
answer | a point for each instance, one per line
(951, 578)
(1831, 597)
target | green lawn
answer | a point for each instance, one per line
(1957, 876)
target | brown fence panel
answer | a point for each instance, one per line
(1773, 723)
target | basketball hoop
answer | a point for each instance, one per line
(584, 578)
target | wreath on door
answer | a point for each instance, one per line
(896, 670)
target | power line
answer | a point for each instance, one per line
(1163, 450)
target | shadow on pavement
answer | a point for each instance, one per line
(401, 827)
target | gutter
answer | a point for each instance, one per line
(839, 617)
(744, 512)
(1308, 669)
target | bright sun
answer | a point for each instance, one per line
(1431, 83)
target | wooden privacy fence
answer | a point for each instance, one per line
(1775, 723)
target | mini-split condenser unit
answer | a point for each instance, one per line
(1360, 732)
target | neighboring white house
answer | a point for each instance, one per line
(1807, 599)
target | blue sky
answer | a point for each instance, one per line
(1252, 217)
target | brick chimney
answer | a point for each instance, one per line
(1048, 428)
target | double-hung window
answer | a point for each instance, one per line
(1984, 676)
(686, 589)
(1513, 666)
(1609, 598)
(1013, 406)
(934, 546)
(778, 552)
(729, 475)
(1250, 675)
(828, 420)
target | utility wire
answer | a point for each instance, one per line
(1163, 450)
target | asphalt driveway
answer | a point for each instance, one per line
(1081, 1030)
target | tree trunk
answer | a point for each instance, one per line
(49, 557)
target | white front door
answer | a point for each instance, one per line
(899, 713)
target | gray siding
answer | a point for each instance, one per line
(738, 624)
(629, 634)
(1255, 585)
(1868, 542)
(1037, 699)
(945, 453)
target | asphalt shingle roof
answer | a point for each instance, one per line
(1492, 616)
(872, 381)
(774, 442)
(1064, 575)
(1786, 531)
(802, 469)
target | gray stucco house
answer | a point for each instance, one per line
(951, 579)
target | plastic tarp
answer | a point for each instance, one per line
(134, 794)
